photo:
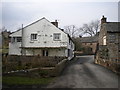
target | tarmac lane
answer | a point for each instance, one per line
(83, 73)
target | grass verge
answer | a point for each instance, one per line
(17, 80)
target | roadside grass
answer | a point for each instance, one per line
(17, 80)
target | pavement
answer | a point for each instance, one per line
(81, 72)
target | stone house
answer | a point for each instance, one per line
(89, 43)
(42, 38)
(109, 43)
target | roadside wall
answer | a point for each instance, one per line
(59, 67)
(27, 62)
(103, 58)
(40, 71)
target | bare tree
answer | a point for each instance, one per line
(91, 28)
(72, 30)
(3, 29)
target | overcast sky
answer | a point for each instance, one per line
(66, 12)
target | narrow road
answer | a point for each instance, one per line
(83, 73)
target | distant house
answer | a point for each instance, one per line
(90, 43)
(42, 38)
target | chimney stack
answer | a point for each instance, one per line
(55, 23)
(103, 20)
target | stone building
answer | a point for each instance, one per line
(89, 43)
(109, 44)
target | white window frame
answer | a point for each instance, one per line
(57, 36)
(104, 40)
(33, 36)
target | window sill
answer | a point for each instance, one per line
(31, 41)
(57, 40)
(34, 40)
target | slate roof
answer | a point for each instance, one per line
(89, 39)
(113, 26)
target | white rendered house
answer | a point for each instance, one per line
(41, 38)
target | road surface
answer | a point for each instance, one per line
(83, 73)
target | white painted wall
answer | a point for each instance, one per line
(57, 52)
(51, 52)
(14, 48)
(44, 30)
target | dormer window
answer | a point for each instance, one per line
(33, 37)
(56, 36)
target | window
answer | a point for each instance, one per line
(45, 53)
(12, 39)
(104, 40)
(56, 36)
(69, 41)
(91, 49)
(16, 39)
(90, 43)
(112, 38)
(69, 52)
(19, 39)
(33, 37)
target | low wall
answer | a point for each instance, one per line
(59, 67)
(82, 53)
(27, 62)
(103, 58)
(112, 65)
(40, 72)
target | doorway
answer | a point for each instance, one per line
(44, 52)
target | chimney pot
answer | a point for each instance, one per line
(55, 20)
(55, 23)
(103, 20)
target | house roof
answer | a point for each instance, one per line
(29, 24)
(89, 39)
(113, 27)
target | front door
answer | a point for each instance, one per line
(69, 53)
(45, 52)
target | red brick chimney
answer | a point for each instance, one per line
(55, 23)
(103, 20)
